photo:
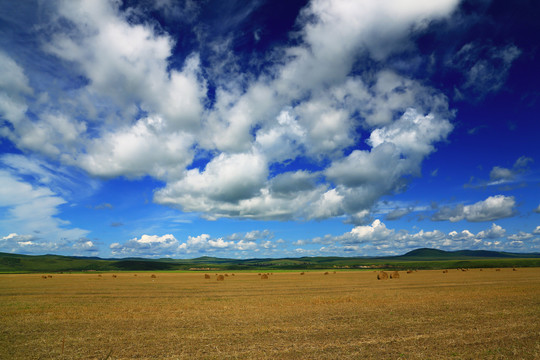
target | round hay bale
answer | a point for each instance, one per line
(220, 278)
(497, 269)
(409, 271)
(232, 274)
(445, 271)
(114, 276)
(326, 273)
(514, 269)
(206, 276)
(49, 276)
(226, 275)
(99, 275)
(302, 273)
(395, 275)
(382, 275)
(153, 276)
(264, 276)
(43, 276)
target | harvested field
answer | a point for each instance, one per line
(350, 315)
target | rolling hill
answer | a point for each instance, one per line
(423, 258)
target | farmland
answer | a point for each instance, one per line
(485, 314)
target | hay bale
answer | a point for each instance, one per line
(226, 275)
(445, 271)
(99, 275)
(497, 269)
(326, 273)
(395, 275)
(264, 276)
(302, 273)
(114, 276)
(49, 276)
(409, 271)
(232, 274)
(206, 276)
(153, 276)
(220, 278)
(514, 269)
(43, 276)
(382, 275)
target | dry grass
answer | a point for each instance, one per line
(458, 315)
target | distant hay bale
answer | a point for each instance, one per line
(302, 273)
(134, 274)
(153, 276)
(259, 274)
(49, 276)
(232, 274)
(497, 269)
(43, 276)
(264, 276)
(382, 275)
(114, 276)
(99, 275)
(220, 278)
(514, 269)
(481, 269)
(226, 275)
(326, 273)
(395, 275)
(206, 276)
(445, 271)
(409, 271)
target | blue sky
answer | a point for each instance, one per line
(268, 128)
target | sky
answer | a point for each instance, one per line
(249, 129)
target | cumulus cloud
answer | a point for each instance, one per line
(494, 232)
(536, 231)
(149, 245)
(168, 245)
(493, 208)
(135, 112)
(378, 239)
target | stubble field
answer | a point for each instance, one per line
(347, 315)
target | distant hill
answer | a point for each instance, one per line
(423, 258)
(436, 254)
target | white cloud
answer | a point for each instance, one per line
(29, 209)
(494, 232)
(377, 239)
(500, 174)
(147, 245)
(536, 231)
(493, 208)
(520, 236)
(136, 113)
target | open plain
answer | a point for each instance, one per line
(471, 314)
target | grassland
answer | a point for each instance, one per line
(345, 315)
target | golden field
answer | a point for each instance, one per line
(346, 315)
